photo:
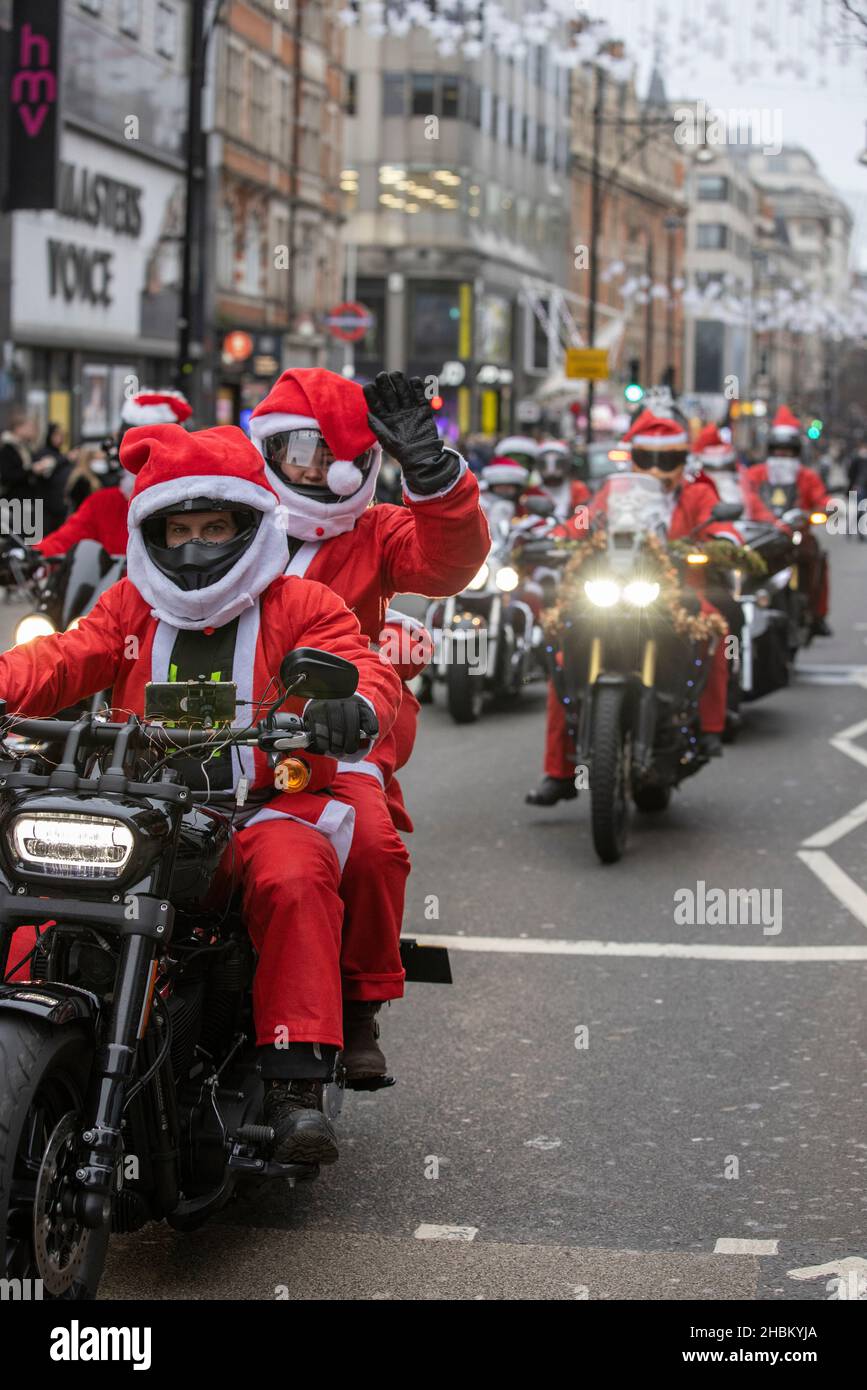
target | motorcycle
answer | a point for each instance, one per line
(780, 495)
(629, 683)
(128, 1069)
(487, 642)
(64, 588)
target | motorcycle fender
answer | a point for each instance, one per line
(55, 1003)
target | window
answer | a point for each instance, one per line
(225, 246)
(709, 352)
(712, 188)
(252, 261)
(712, 236)
(350, 93)
(474, 104)
(235, 63)
(166, 30)
(422, 94)
(260, 107)
(311, 123)
(393, 94)
(450, 97)
(130, 17)
(434, 321)
(541, 143)
(284, 117)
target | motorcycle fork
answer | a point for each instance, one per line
(645, 721)
(111, 1072)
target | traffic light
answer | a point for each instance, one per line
(634, 391)
(815, 429)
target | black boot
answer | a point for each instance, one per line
(550, 790)
(711, 745)
(301, 1132)
(362, 1057)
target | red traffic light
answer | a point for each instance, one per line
(436, 403)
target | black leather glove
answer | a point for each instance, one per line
(402, 420)
(336, 726)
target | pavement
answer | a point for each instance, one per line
(606, 1103)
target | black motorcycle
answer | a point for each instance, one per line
(629, 682)
(129, 1089)
(62, 589)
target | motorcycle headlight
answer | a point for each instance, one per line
(641, 592)
(55, 845)
(33, 625)
(602, 593)
(479, 580)
(507, 579)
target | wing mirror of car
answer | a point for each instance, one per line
(317, 675)
(539, 506)
(727, 511)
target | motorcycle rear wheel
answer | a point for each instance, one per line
(43, 1076)
(609, 776)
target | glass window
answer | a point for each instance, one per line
(253, 254)
(712, 188)
(422, 94)
(166, 30)
(225, 246)
(712, 236)
(393, 94)
(259, 107)
(709, 351)
(474, 104)
(450, 97)
(350, 93)
(434, 322)
(541, 143)
(130, 17)
(235, 90)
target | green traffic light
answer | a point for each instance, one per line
(634, 392)
(814, 433)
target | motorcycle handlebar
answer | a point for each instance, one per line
(159, 735)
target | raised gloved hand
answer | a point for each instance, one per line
(337, 726)
(402, 420)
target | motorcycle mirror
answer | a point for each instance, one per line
(539, 506)
(318, 675)
(727, 511)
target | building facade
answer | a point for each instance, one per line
(94, 281)
(456, 195)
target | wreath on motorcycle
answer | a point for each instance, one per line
(695, 627)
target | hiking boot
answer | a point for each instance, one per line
(301, 1132)
(551, 790)
(362, 1057)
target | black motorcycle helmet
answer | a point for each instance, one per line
(300, 447)
(198, 564)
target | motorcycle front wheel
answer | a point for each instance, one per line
(609, 775)
(464, 693)
(43, 1078)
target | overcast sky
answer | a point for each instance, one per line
(785, 55)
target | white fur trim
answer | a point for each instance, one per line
(308, 520)
(343, 477)
(303, 558)
(658, 442)
(135, 414)
(262, 426)
(521, 443)
(368, 769)
(336, 822)
(496, 474)
(221, 488)
(220, 603)
(432, 496)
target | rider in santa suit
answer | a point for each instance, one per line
(660, 448)
(207, 591)
(321, 436)
(782, 469)
(718, 458)
(102, 516)
(555, 470)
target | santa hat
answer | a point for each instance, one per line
(315, 398)
(501, 471)
(173, 466)
(712, 450)
(155, 408)
(517, 444)
(785, 425)
(656, 433)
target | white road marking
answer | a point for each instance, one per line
(733, 1245)
(838, 828)
(831, 675)
(837, 881)
(846, 1278)
(430, 1232)
(673, 950)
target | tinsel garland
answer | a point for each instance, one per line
(696, 627)
(722, 554)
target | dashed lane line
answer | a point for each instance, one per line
(671, 950)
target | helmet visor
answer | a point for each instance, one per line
(301, 448)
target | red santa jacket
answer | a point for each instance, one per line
(101, 517)
(119, 645)
(812, 496)
(695, 499)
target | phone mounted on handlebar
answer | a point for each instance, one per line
(197, 702)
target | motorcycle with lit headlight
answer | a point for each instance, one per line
(629, 683)
(129, 1089)
(60, 590)
(487, 641)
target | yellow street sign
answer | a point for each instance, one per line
(587, 364)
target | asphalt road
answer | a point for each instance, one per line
(717, 1095)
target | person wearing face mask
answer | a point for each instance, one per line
(102, 517)
(772, 479)
(207, 592)
(660, 449)
(321, 436)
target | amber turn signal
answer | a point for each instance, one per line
(291, 775)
